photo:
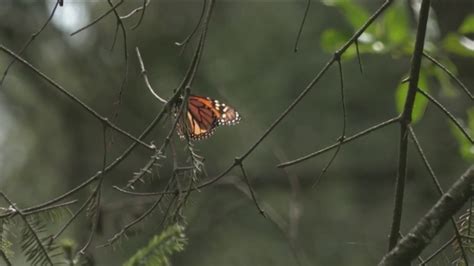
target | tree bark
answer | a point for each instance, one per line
(410, 246)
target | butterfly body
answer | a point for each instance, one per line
(204, 115)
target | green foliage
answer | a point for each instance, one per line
(396, 26)
(5, 244)
(68, 247)
(390, 34)
(355, 14)
(466, 148)
(420, 101)
(466, 230)
(35, 242)
(160, 247)
(468, 25)
(331, 39)
(55, 215)
(457, 43)
(448, 88)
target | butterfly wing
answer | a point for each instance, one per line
(201, 117)
(205, 114)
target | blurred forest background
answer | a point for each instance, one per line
(49, 144)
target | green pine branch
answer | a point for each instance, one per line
(160, 247)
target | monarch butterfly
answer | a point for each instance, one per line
(204, 115)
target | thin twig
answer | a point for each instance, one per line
(180, 203)
(286, 164)
(96, 207)
(142, 15)
(300, 31)
(190, 76)
(168, 140)
(335, 145)
(52, 207)
(27, 44)
(74, 216)
(439, 250)
(185, 83)
(98, 18)
(447, 113)
(252, 193)
(138, 176)
(358, 57)
(159, 153)
(138, 9)
(133, 193)
(111, 166)
(114, 40)
(376, 14)
(315, 80)
(188, 38)
(76, 100)
(294, 206)
(438, 187)
(425, 161)
(145, 77)
(471, 208)
(136, 221)
(125, 51)
(274, 217)
(343, 133)
(451, 74)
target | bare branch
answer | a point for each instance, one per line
(377, 13)
(275, 218)
(447, 113)
(438, 187)
(76, 100)
(134, 11)
(451, 74)
(188, 38)
(142, 15)
(306, 11)
(252, 193)
(69, 222)
(335, 145)
(32, 38)
(428, 227)
(343, 133)
(145, 77)
(405, 120)
(308, 88)
(125, 51)
(358, 57)
(111, 166)
(98, 18)
(52, 207)
(124, 230)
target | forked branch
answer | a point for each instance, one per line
(405, 120)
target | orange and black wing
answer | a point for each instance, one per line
(205, 114)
